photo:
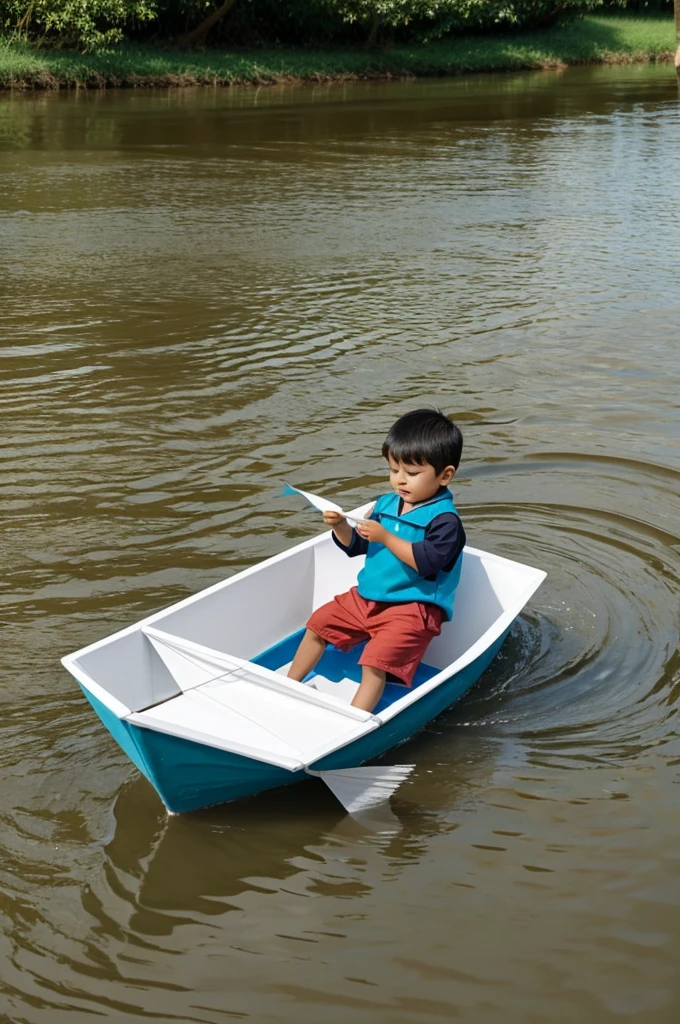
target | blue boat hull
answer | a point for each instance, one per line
(188, 775)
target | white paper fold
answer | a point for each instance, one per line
(323, 504)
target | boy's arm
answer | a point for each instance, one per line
(341, 528)
(443, 543)
(373, 532)
(344, 536)
(442, 546)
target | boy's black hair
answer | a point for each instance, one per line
(424, 436)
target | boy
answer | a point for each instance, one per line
(412, 541)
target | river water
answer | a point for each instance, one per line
(204, 293)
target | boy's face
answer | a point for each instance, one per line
(415, 483)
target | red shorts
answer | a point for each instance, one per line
(398, 634)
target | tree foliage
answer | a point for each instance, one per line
(87, 24)
(435, 18)
(97, 24)
(472, 12)
(310, 22)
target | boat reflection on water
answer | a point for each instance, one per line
(297, 841)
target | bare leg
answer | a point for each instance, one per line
(307, 656)
(371, 688)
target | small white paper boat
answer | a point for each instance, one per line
(197, 694)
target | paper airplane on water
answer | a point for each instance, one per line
(323, 504)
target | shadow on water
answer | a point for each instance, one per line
(297, 838)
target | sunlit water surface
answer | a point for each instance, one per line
(205, 293)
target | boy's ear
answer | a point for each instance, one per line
(447, 474)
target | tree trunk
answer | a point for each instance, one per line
(372, 38)
(548, 18)
(198, 34)
(677, 36)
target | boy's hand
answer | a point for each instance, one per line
(333, 518)
(372, 531)
(341, 528)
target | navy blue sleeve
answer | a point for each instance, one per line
(357, 546)
(444, 541)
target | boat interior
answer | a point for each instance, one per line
(213, 667)
(338, 674)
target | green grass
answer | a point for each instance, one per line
(605, 40)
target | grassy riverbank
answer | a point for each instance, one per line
(599, 40)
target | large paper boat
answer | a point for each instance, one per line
(197, 694)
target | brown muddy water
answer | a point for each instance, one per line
(204, 293)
